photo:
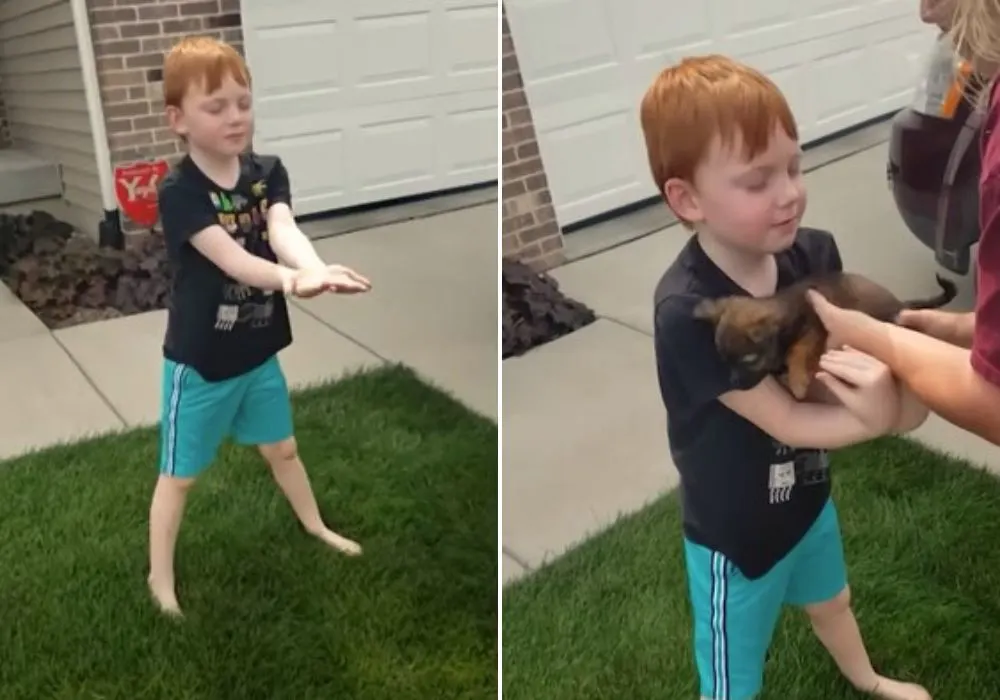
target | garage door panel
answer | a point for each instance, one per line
(408, 34)
(470, 39)
(471, 135)
(584, 41)
(261, 13)
(661, 27)
(602, 143)
(295, 44)
(839, 63)
(391, 153)
(307, 158)
(375, 99)
(759, 16)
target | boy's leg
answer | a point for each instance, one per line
(265, 420)
(819, 584)
(194, 417)
(734, 619)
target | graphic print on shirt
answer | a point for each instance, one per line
(791, 467)
(246, 222)
(781, 479)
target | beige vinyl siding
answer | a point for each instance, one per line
(44, 96)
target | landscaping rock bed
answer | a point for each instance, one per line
(535, 312)
(65, 278)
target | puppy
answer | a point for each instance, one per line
(782, 335)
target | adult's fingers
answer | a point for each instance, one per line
(845, 369)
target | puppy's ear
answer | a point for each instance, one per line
(710, 310)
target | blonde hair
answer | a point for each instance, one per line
(975, 32)
(200, 60)
(703, 98)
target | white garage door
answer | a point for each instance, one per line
(586, 63)
(368, 100)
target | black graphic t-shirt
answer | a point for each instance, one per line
(743, 493)
(218, 326)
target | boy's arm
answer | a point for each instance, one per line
(188, 216)
(693, 374)
(287, 240)
(797, 424)
(233, 259)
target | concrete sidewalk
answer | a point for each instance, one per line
(433, 307)
(592, 445)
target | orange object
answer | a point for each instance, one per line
(955, 92)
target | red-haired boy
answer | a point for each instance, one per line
(760, 528)
(236, 252)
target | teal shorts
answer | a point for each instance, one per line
(197, 415)
(735, 617)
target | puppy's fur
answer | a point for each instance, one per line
(782, 335)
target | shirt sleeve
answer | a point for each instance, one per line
(184, 211)
(690, 369)
(279, 188)
(986, 337)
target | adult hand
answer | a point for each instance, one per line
(863, 385)
(949, 326)
(845, 326)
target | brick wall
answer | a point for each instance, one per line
(130, 39)
(530, 231)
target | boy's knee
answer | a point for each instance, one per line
(839, 604)
(279, 453)
(176, 483)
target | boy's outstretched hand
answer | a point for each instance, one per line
(338, 279)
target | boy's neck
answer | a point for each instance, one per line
(222, 170)
(755, 272)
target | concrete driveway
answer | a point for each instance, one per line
(432, 307)
(592, 446)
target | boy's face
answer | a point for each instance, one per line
(220, 122)
(755, 205)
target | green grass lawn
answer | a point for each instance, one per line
(270, 612)
(922, 537)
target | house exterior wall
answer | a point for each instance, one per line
(44, 98)
(130, 40)
(530, 232)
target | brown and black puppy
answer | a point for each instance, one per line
(782, 335)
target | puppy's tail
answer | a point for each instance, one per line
(948, 292)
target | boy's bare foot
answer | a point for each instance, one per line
(890, 689)
(339, 542)
(165, 598)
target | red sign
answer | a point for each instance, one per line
(136, 185)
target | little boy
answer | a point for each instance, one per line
(227, 222)
(760, 527)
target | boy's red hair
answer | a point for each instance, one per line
(200, 60)
(700, 99)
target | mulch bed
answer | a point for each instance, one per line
(535, 311)
(65, 278)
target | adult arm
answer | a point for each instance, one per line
(912, 413)
(940, 375)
